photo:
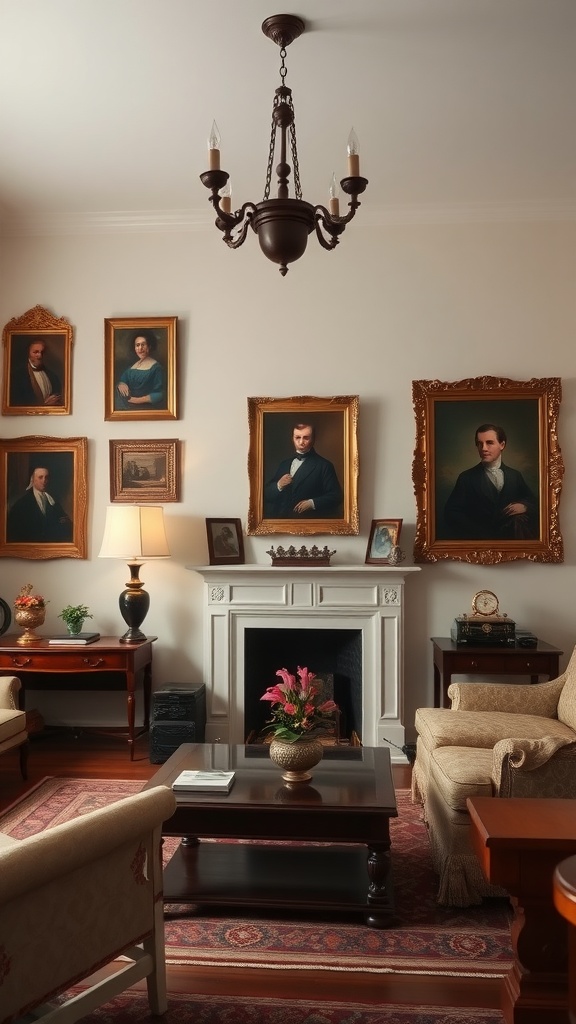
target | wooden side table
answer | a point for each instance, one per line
(450, 659)
(44, 666)
(519, 842)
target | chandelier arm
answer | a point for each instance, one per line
(226, 222)
(235, 243)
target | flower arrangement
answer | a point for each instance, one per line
(26, 599)
(296, 711)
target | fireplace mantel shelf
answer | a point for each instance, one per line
(317, 570)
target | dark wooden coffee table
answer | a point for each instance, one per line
(348, 805)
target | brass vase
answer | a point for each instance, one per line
(296, 758)
(29, 618)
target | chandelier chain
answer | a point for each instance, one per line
(271, 153)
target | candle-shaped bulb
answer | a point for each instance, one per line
(334, 194)
(353, 155)
(214, 148)
(226, 197)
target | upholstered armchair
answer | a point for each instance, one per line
(75, 898)
(498, 740)
(13, 731)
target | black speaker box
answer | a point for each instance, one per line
(178, 716)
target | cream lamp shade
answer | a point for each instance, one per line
(136, 534)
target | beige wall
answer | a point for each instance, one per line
(392, 303)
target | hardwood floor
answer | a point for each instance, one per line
(85, 754)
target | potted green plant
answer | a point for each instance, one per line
(74, 616)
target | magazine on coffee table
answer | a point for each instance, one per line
(207, 781)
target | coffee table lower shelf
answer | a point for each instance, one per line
(318, 878)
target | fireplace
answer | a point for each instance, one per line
(341, 621)
(334, 655)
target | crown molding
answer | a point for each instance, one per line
(188, 221)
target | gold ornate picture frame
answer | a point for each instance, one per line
(43, 497)
(461, 513)
(37, 350)
(140, 383)
(323, 497)
(144, 471)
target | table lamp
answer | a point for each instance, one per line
(136, 534)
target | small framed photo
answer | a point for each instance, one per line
(140, 368)
(37, 365)
(487, 470)
(43, 497)
(225, 544)
(142, 471)
(384, 535)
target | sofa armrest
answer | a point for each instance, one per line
(543, 768)
(53, 854)
(9, 687)
(524, 698)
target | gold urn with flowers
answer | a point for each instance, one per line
(298, 711)
(29, 612)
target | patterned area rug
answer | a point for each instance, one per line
(425, 939)
(132, 1008)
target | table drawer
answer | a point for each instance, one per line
(66, 661)
(514, 663)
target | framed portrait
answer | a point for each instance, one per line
(487, 470)
(43, 497)
(37, 365)
(225, 543)
(142, 471)
(140, 368)
(303, 465)
(384, 535)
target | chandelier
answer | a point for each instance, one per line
(282, 224)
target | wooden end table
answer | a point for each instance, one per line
(451, 659)
(519, 841)
(350, 800)
(44, 666)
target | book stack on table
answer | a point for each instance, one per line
(207, 781)
(74, 638)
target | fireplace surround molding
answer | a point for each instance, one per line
(367, 598)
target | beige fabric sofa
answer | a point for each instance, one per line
(75, 898)
(498, 740)
(13, 732)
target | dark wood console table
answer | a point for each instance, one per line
(519, 842)
(44, 666)
(450, 659)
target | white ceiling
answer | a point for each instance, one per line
(105, 105)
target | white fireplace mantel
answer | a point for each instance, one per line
(369, 598)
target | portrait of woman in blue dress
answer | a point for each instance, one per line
(144, 382)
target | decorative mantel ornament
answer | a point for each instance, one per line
(282, 224)
(300, 556)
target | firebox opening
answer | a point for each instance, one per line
(337, 652)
